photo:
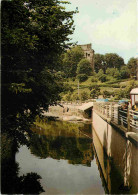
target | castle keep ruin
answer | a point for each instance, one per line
(88, 53)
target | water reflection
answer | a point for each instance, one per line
(11, 182)
(64, 157)
(118, 169)
(70, 159)
(62, 141)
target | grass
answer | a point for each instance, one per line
(112, 85)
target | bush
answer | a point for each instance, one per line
(67, 88)
(82, 77)
(94, 91)
(102, 78)
(124, 72)
(84, 96)
(75, 97)
(100, 73)
(68, 97)
(84, 66)
(93, 79)
(106, 94)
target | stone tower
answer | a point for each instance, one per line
(88, 53)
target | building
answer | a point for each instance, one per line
(88, 53)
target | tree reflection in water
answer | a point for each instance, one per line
(58, 140)
(11, 182)
(63, 142)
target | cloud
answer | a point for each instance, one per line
(117, 31)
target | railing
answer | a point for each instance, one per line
(126, 118)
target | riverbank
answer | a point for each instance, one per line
(67, 112)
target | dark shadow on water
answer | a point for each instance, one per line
(11, 182)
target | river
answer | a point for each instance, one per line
(70, 159)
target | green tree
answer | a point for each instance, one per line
(106, 94)
(84, 66)
(84, 95)
(132, 66)
(34, 34)
(124, 72)
(100, 73)
(113, 60)
(82, 77)
(98, 62)
(102, 78)
(94, 91)
(70, 60)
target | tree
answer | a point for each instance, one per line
(113, 60)
(84, 66)
(34, 34)
(70, 60)
(94, 91)
(132, 66)
(124, 72)
(107, 94)
(100, 73)
(98, 62)
(102, 78)
(84, 95)
(82, 77)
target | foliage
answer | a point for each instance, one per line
(124, 72)
(132, 66)
(98, 62)
(100, 73)
(94, 79)
(106, 94)
(34, 34)
(94, 91)
(68, 97)
(75, 97)
(82, 77)
(113, 60)
(102, 78)
(109, 60)
(125, 93)
(67, 88)
(84, 66)
(84, 95)
(117, 74)
(70, 60)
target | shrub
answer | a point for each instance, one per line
(100, 73)
(82, 77)
(106, 94)
(84, 66)
(84, 95)
(93, 79)
(102, 78)
(94, 91)
(124, 72)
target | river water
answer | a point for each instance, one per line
(68, 156)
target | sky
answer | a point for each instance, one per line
(109, 25)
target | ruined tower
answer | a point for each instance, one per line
(88, 53)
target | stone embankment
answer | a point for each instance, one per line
(67, 112)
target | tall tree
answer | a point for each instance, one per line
(132, 67)
(113, 60)
(70, 60)
(84, 67)
(34, 34)
(98, 62)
